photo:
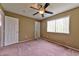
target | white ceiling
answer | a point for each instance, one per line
(24, 8)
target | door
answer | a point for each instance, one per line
(37, 30)
(11, 30)
(1, 27)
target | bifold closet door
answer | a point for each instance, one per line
(1, 27)
(11, 30)
(37, 29)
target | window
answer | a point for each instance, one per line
(51, 26)
(60, 25)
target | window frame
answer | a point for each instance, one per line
(55, 26)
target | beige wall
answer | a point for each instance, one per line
(1, 6)
(71, 39)
(26, 26)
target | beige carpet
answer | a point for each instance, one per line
(37, 48)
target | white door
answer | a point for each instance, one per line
(37, 29)
(1, 27)
(11, 30)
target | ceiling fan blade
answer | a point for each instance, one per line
(34, 8)
(35, 13)
(48, 12)
(42, 15)
(40, 6)
(46, 5)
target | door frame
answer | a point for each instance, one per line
(37, 29)
(4, 29)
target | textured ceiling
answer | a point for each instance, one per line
(24, 9)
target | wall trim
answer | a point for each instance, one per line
(61, 13)
(6, 11)
(25, 41)
(20, 42)
(62, 44)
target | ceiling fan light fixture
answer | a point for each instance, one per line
(41, 12)
(41, 9)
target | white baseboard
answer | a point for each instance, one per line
(26, 40)
(62, 44)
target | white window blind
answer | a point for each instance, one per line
(51, 26)
(60, 25)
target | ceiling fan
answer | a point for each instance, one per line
(41, 9)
